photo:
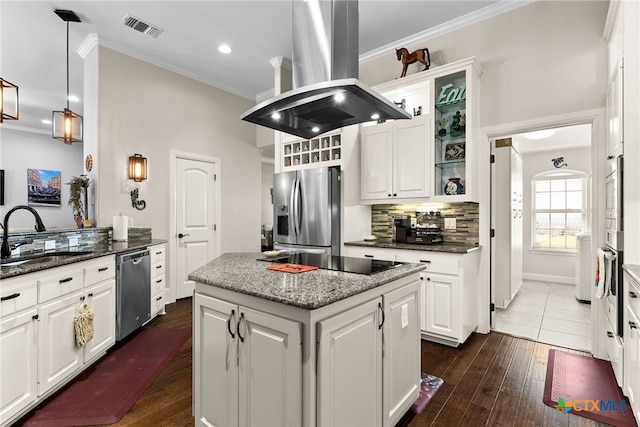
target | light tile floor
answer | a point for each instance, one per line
(549, 313)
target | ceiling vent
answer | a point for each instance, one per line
(143, 27)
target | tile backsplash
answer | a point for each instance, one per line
(466, 215)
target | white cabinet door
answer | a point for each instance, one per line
(401, 353)
(442, 305)
(215, 370)
(632, 361)
(102, 301)
(270, 377)
(615, 112)
(59, 356)
(350, 348)
(18, 363)
(376, 164)
(412, 158)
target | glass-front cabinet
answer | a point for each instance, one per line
(455, 101)
(324, 150)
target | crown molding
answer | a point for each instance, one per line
(448, 27)
(89, 43)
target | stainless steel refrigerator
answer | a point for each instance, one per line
(306, 211)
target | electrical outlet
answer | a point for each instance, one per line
(405, 316)
(16, 251)
(49, 244)
(449, 223)
(73, 241)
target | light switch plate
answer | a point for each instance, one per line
(449, 223)
(73, 241)
(49, 244)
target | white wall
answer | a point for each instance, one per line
(536, 264)
(149, 110)
(539, 60)
(22, 150)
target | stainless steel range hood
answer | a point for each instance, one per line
(327, 93)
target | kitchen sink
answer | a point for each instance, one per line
(41, 258)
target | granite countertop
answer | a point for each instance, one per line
(633, 270)
(112, 247)
(454, 248)
(240, 272)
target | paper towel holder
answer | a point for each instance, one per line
(138, 173)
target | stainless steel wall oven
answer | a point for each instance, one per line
(614, 240)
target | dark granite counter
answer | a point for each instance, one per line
(454, 248)
(240, 272)
(71, 256)
(633, 270)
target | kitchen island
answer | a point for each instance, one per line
(321, 347)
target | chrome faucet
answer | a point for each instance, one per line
(5, 252)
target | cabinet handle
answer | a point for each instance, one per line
(103, 269)
(632, 294)
(158, 266)
(609, 157)
(159, 298)
(82, 298)
(426, 261)
(159, 253)
(231, 316)
(238, 327)
(8, 297)
(35, 317)
(368, 256)
(381, 311)
(610, 334)
(159, 280)
(632, 325)
(90, 295)
(68, 279)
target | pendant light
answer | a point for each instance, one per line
(67, 125)
(8, 100)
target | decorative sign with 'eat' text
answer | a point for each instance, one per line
(451, 95)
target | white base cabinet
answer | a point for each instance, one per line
(631, 387)
(358, 364)
(449, 306)
(157, 253)
(250, 365)
(38, 349)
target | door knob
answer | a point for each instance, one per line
(180, 235)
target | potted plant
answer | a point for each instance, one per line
(442, 124)
(78, 198)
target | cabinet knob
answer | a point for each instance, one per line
(609, 157)
(421, 278)
(428, 279)
(82, 298)
(90, 295)
(610, 334)
(632, 325)
(395, 195)
(389, 194)
(35, 317)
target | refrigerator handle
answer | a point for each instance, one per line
(297, 217)
(293, 204)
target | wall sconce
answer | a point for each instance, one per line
(67, 125)
(138, 173)
(8, 100)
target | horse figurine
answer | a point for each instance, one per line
(421, 55)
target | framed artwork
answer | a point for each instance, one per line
(454, 151)
(43, 187)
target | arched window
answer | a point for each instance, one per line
(559, 209)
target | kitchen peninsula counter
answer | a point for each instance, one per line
(452, 248)
(241, 272)
(314, 348)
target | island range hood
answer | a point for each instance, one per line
(327, 93)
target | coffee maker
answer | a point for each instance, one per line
(401, 228)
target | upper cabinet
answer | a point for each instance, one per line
(455, 100)
(431, 157)
(615, 136)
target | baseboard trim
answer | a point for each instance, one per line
(549, 278)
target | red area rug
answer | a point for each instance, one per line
(105, 393)
(585, 386)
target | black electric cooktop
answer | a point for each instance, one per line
(336, 263)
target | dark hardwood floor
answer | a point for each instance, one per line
(492, 380)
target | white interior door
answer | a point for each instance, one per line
(195, 220)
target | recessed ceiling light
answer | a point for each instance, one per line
(540, 134)
(225, 48)
(46, 121)
(316, 129)
(375, 116)
(275, 116)
(73, 98)
(339, 97)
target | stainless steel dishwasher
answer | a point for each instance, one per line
(133, 292)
